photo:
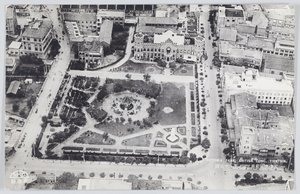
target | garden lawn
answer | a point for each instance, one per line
(143, 141)
(132, 67)
(118, 129)
(184, 70)
(93, 138)
(173, 96)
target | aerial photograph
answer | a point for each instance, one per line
(149, 97)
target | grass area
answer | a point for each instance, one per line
(93, 138)
(132, 67)
(30, 90)
(173, 96)
(184, 70)
(119, 129)
(142, 140)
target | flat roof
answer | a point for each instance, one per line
(110, 13)
(106, 31)
(228, 34)
(158, 20)
(279, 63)
(15, 45)
(283, 30)
(10, 12)
(265, 44)
(90, 17)
(38, 30)
(234, 12)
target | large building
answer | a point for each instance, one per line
(268, 90)
(118, 17)
(230, 17)
(258, 134)
(167, 46)
(91, 52)
(240, 56)
(11, 21)
(36, 38)
(86, 22)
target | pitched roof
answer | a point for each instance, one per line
(234, 13)
(38, 30)
(228, 34)
(259, 19)
(158, 20)
(13, 87)
(90, 46)
(106, 31)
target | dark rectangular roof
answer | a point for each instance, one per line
(279, 63)
(234, 13)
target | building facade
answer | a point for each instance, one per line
(262, 87)
(118, 17)
(167, 46)
(91, 52)
(11, 21)
(36, 39)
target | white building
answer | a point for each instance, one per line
(268, 90)
(14, 48)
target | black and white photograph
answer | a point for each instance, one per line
(149, 96)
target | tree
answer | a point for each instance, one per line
(184, 159)
(224, 138)
(146, 160)
(92, 174)
(22, 113)
(102, 174)
(147, 77)
(128, 76)
(15, 107)
(130, 160)
(248, 176)
(118, 88)
(150, 177)
(160, 62)
(174, 160)
(221, 112)
(255, 176)
(129, 120)
(193, 157)
(237, 176)
(159, 177)
(205, 143)
(41, 180)
(66, 181)
(226, 151)
(102, 94)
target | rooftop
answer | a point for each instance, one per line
(158, 20)
(110, 13)
(228, 34)
(72, 16)
(38, 29)
(106, 31)
(245, 29)
(259, 19)
(13, 87)
(169, 34)
(279, 63)
(10, 61)
(10, 12)
(103, 184)
(265, 44)
(243, 99)
(234, 13)
(90, 46)
(150, 30)
(283, 30)
(15, 45)
(257, 83)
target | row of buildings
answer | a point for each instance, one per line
(256, 46)
(257, 36)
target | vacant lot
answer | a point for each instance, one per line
(133, 67)
(173, 96)
(30, 90)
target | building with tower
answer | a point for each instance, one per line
(168, 46)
